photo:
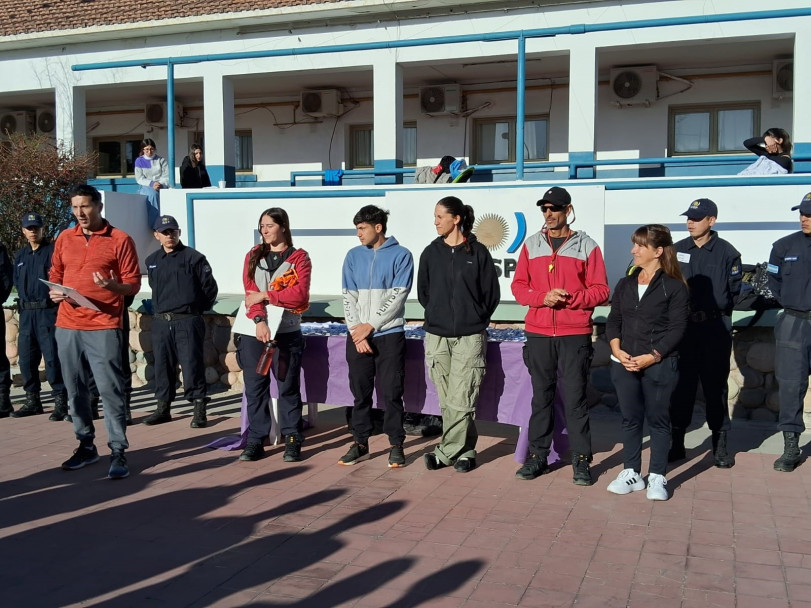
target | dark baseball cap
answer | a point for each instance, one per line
(165, 222)
(701, 208)
(32, 220)
(555, 196)
(805, 205)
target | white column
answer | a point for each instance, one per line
(582, 100)
(218, 117)
(800, 130)
(388, 116)
(71, 119)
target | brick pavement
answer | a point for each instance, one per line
(194, 527)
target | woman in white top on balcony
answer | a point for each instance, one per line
(152, 174)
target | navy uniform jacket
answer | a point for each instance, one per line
(6, 274)
(713, 273)
(790, 271)
(181, 281)
(31, 265)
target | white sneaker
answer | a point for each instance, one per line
(626, 482)
(656, 487)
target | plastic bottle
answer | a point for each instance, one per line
(265, 361)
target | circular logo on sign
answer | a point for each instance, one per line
(492, 231)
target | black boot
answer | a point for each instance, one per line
(791, 453)
(723, 459)
(160, 415)
(60, 407)
(32, 407)
(5, 406)
(94, 407)
(677, 451)
(127, 410)
(199, 420)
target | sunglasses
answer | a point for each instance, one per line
(169, 232)
(553, 208)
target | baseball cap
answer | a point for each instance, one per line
(165, 222)
(805, 205)
(556, 196)
(32, 220)
(701, 208)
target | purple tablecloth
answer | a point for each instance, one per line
(505, 393)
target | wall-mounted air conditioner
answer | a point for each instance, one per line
(634, 85)
(155, 114)
(782, 78)
(46, 122)
(321, 102)
(440, 99)
(16, 121)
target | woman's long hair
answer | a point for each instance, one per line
(657, 235)
(192, 150)
(457, 208)
(778, 133)
(279, 216)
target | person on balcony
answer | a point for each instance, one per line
(458, 287)
(151, 174)
(193, 172)
(774, 150)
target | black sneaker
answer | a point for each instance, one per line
(432, 463)
(464, 465)
(582, 470)
(396, 457)
(534, 466)
(118, 466)
(252, 452)
(84, 454)
(292, 449)
(356, 453)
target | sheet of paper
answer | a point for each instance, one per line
(72, 294)
(245, 326)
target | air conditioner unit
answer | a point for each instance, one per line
(16, 121)
(155, 115)
(46, 122)
(319, 103)
(634, 85)
(440, 99)
(783, 78)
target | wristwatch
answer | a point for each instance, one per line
(259, 319)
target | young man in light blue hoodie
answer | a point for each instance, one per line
(376, 281)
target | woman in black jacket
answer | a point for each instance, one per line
(647, 321)
(458, 287)
(774, 146)
(193, 172)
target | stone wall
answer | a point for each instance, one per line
(752, 386)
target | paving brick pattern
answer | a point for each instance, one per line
(194, 527)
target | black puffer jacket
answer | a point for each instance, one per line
(458, 289)
(657, 321)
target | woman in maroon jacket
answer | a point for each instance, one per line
(275, 274)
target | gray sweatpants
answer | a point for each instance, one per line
(101, 349)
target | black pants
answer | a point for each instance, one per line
(544, 358)
(179, 342)
(703, 355)
(386, 363)
(257, 387)
(792, 364)
(645, 396)
(37, 340)
(5, 366)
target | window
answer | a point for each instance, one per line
(712, 129)
(362, 146)
(116, 156)
(243, 161)
(494, 140)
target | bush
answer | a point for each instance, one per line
(36, 176)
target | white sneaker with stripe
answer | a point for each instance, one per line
(626, 482)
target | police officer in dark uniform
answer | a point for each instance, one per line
(36, 339)
(790, 281)
(6, 278)
(712, 269)
(183, 288)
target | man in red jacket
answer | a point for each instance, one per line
(101, 264)
(561, 276)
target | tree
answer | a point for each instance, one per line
(36, 175)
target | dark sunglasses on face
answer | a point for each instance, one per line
(553, 208)
(168, 232)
